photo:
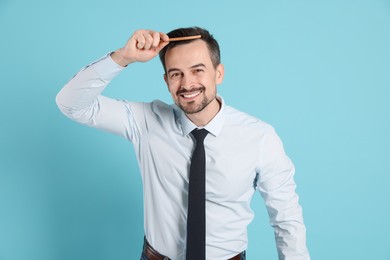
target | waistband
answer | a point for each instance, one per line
(151, 254)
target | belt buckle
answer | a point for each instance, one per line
(166, 258)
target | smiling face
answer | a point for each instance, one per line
(192, 80)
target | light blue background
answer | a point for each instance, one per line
(318, 71)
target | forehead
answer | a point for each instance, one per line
(188, 54)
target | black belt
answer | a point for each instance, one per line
(152, 254)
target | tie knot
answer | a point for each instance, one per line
(199, 134)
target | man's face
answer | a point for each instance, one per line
(191, 77)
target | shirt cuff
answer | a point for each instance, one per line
(106, 67)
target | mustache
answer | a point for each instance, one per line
(183, 91)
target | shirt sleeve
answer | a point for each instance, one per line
(81, 100)
(277, 187)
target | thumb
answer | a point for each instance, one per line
(161, 45)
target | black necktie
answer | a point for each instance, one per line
(196, 218)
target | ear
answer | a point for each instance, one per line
(166, 80)
(219, 74)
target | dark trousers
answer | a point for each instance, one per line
(146, 245)
(243, 257)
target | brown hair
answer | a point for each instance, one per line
(212, 44)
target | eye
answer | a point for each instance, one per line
(198, 70)
(175, 75)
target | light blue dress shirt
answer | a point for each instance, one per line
(243, 155)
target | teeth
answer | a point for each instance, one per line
(191, 95)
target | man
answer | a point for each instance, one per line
(241, 154)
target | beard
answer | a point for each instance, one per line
(194, 107)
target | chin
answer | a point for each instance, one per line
(196, 108)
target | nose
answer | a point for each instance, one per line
(187, 82)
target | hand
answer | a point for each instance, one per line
(142, 46)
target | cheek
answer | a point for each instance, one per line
(210, 82)
(172, 88)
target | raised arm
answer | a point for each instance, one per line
(81, 100)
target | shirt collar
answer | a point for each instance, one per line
(214, 126)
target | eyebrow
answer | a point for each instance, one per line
(198, 65)
(192, 67)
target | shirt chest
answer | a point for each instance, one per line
(230, 164)
(231, 168)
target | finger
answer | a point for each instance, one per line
(148, 41)
(161, 45)
(140, 41)
(140, 38)
(164, 37)
(156, 39)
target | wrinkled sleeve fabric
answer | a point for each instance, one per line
(81, 100)
(277, 187)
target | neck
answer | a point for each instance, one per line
(203, 117)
